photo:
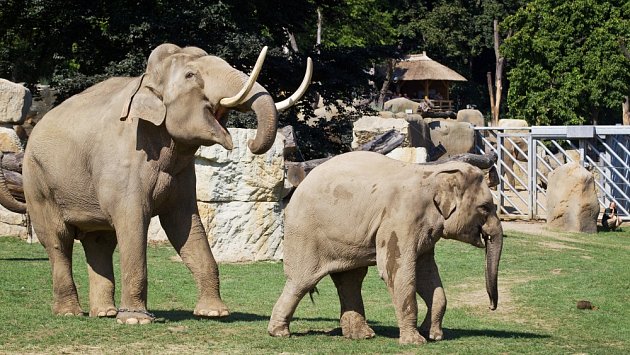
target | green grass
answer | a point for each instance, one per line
(540, 281)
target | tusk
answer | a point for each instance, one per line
(285, 104)
(238, 98)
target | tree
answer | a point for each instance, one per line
(566, 64)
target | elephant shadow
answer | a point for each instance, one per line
(24, 259)
(449, 333)
(182, 315)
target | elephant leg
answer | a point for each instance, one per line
(58, 240)
(99, 249)
(294, 290)
(184, 230)
(429, 287)
(352, 320)
(397, 266)
(131, 224)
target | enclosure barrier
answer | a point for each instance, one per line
(527, 155)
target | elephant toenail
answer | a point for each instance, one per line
(132, 321)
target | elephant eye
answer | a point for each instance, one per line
(189, 75)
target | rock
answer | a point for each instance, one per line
(367, 128)
(240, 175)
(402, 105)
(572, 203)
(471, 116)
(238, 231)
(239, 196)
(454, 137)
(9, 140)
(15, 101)
(409, 155)
(12, 223)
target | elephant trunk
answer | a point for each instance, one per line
(6, 199)
(494, 246)
(267, 116)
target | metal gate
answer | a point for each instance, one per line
(527, 155)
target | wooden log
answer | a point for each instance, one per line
(435, 114)
(14, 184)
(384, 143)
(297, 171)
(12, 161)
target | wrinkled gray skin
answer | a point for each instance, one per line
(101, 164)
(360, 209)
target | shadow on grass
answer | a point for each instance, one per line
(23, 259)
(466, 333)
(449, 334)
(181, 315)
(606, 229)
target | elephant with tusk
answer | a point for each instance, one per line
(360, 209)
(101, 164)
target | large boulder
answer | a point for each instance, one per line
(572, 203)
(15, 101)
(367, 128)
(472, 116)
(403, 105)
(409, 154)
(451, 136)
(239, 195)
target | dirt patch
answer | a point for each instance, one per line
(557, 246)
(473, 296)
(538, 228)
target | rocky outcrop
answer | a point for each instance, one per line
(572, 203)
(239, 195)
(472, 116)
(15, 101)
(367, 128)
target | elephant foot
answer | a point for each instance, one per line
(128, 316)
(278, 329)
(67, 310)
(436, 334)
(354, 326)
(211, 309)
(411, 337)
(101, 312)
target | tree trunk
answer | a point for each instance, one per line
(626, 111)
(491, 95)
(319, 26)
(495, 100)
(390, 63)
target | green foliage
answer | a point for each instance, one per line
(540, 281)
(566, 64)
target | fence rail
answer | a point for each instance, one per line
(527, 155)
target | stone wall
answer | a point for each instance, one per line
(15, 102)
(239, 195)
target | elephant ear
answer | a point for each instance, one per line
(447, 193)
(144, 103)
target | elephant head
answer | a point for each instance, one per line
(463, 199)
(191, 93)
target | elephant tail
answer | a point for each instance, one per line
(6, 199)
(311, 292)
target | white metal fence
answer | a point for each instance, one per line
(527, 155)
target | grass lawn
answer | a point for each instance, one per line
(541, 279)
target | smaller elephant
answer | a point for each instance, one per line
(360, 209)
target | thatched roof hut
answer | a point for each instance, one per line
(419, 77)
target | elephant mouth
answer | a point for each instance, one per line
(218, 119)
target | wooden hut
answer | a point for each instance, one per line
(419, 77)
